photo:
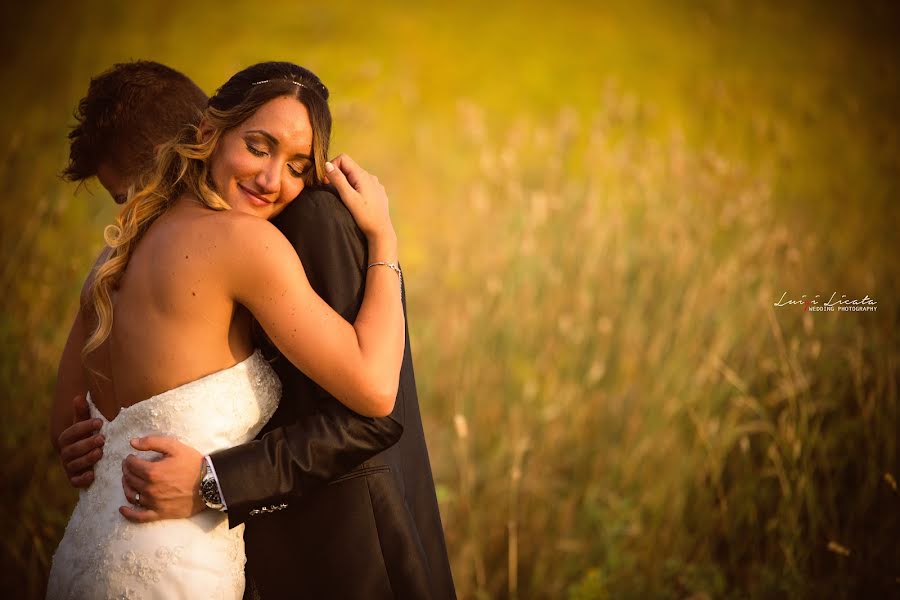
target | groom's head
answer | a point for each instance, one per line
(128, 112)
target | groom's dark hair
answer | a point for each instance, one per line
(129, 110)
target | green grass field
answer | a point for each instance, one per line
(598, 207)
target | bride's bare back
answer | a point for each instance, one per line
(174, 317)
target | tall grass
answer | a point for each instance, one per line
(634, 418)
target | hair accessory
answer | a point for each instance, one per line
(392, 266)
(297, 83)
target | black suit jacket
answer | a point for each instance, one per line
(374, 531)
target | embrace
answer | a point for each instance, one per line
(236, 398)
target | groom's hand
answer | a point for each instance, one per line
(81, 445)
(168, 486)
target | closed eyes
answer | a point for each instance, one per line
(254, 150)
(294, 171)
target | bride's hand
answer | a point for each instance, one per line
(364, 196)
(168, 487)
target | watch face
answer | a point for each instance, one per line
(210, 492)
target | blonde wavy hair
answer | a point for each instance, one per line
(182, 166)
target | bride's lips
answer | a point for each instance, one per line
(255, 198)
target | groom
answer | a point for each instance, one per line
(335, 505)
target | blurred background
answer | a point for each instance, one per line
(598, 205)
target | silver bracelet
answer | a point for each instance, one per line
(392, 266)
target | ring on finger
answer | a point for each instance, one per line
(137, 498)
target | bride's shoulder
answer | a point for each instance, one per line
(241, 236)
(235, 226)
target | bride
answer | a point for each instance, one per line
(163, 337)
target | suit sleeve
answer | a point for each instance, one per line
(299, 457)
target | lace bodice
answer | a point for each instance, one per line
(102, 555)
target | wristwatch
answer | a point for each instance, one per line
(209, 488)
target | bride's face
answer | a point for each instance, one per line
(258, 166)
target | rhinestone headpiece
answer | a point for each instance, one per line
(297, 83)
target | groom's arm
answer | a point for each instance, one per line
(293, 460)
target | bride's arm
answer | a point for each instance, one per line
(310, 448)
(360, 363)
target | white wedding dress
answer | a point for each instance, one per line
(102, 555)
